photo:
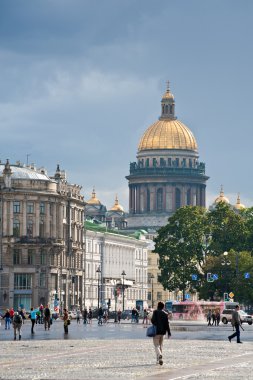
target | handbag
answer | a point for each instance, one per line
(68, 322)
(151, 331)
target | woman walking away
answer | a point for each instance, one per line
(65, 321)
(161, 321)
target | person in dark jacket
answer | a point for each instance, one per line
(161, 321)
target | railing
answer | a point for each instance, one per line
(166, 170)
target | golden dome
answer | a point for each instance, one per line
(239, 205)
(94, 200)
(168, 134)
(168, 94)
(116, 206)
(221, 197)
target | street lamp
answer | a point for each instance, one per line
(123, 274)
(152, 289)
(98, 272)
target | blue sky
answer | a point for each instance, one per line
(80, 82)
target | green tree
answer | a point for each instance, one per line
(180, 248)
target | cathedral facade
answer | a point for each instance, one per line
(167, 173)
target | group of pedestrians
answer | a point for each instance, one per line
(213, 317)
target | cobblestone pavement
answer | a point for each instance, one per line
(111, 358)
(128, 359)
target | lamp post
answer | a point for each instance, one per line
(152, 289)
(225, 261)
(123, 274)
(98, 272)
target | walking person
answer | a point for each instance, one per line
(47, 316)
(213, 318)
(145, 317)
(218, 318)
(119, 314)
(85, 316)
(78, 316)
(17, 325)
(209, 317)
(90, 316)
(161, 321)
(236, 322)
(66, 321)
(7, 318)
(33, 316)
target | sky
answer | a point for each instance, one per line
(81, 81)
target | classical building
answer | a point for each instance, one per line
(167, 173)
(116, 268)
(41, 238)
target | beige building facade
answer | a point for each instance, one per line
(41, 238)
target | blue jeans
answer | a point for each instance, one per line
(7, 323)
(237, 333)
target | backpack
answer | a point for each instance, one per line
(17, 319)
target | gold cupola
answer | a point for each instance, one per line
(221, 197)
(239, 205)
(168, 132)
(94, 200)
(116, 206)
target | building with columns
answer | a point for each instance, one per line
(41, 238)
(167, 173)
(108, 255)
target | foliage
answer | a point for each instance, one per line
(180, 248)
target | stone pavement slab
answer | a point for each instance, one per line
(128, 359)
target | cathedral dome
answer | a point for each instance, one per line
(168, 134)
(221, 198)
(94, 200)
(116, 206)
(239, 205)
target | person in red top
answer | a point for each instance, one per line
(12, 313)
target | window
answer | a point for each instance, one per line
(30, 207)
(42, 280)
(159, 296)
(159, 200)
(149, 296)
(178, 198)
(188, 197)
(43, 257)
(22, 281)
(16, 207)
(31, 257)
(42, 208)
(169, 162)
(42, 228)
(16, 228)
(16, 257)
(148, 200)
(29, 228)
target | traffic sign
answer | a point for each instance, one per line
(194, 277)
(231, 295)
(209, 277)
(246, 275)
(215, 276)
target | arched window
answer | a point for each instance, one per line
(188, 197)
(16, 228)
(159, 199)
(178, 198)
(148, 200)
(171, 109)
(166, 109)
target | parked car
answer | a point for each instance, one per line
(226, 316)
(72, 314)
